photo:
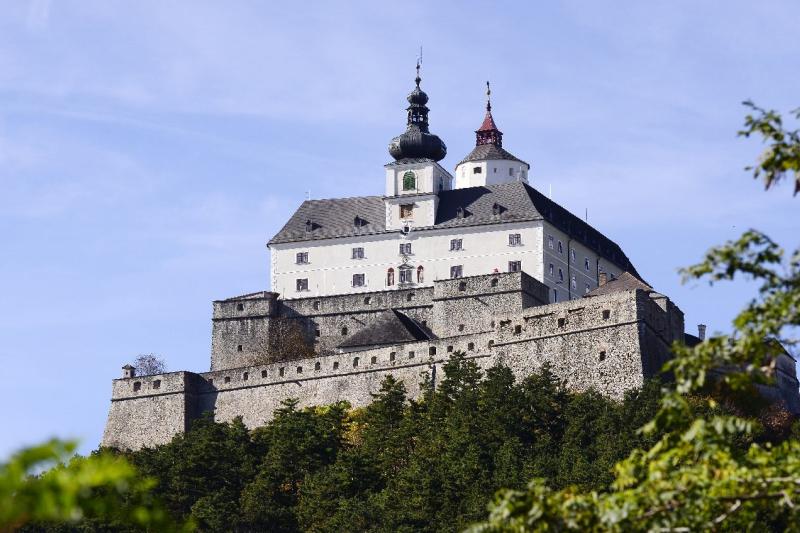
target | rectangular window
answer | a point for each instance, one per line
(510, 171)
(477, 170)
(455, 244)
(406, 210)
(550, 241)
(574, 283)
(572, 255)
(560, 247)
(405, 248)
(406, 275)
(358, 280)
(456, 271)
(514, 266)
(586, 263)
(302, 284)
(358, 253)
(302, 258)
(555, 295)
(551, 269)
(514, 239)
(587, 289)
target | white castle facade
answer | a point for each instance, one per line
(431, 225)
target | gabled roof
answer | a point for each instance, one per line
(334, 218)
(490, 152)
(472, 206)
(625, 282)
(390, 327)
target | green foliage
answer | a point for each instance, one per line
(397, 464)
(701, 467)
(782, 155)
(99, 487)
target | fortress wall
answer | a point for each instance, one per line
(253, 334)
(327, 317)
(148, 410)
(592, 343)
(320, 320)
(470, 305)
(244, 321)
(251, 321)
(609, 343)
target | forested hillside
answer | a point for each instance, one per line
(397, 465)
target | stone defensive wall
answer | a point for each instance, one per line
(609, 343)
(246, 328)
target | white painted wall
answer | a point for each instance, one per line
(569, 267)
(331, 267)
(492, 172)
(423, 213)
(431, 177)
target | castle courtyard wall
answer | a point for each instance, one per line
(608, 343)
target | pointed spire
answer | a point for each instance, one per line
(417, 79)
(488, 133)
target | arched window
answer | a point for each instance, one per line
(390, 277)
(409, 181)
(420, 274)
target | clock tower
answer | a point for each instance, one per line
(415, 177)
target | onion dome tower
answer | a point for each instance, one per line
(417, 142)
(489, 163)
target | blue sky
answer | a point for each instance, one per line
(148, 150)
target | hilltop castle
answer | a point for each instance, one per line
(477, 261)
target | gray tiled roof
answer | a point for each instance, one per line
(484, 152)
(391, 327)
(625, 282)
(516, 201)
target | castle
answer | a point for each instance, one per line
(478, 262)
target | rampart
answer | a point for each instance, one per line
(610, 343)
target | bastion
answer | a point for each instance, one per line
(610, 341)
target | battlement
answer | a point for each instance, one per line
(250, 329)
(610, 343)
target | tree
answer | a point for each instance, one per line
(286, 340)
(782, 155)
(72, 489)
(709, 469)
(147, 364)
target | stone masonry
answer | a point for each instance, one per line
(609, 342)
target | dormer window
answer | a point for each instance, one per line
(497, 209)
(309, 225)
(359, 222)
(460, 212)
(409, 181)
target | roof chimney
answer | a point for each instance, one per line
(701, 331)
(603, 279)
